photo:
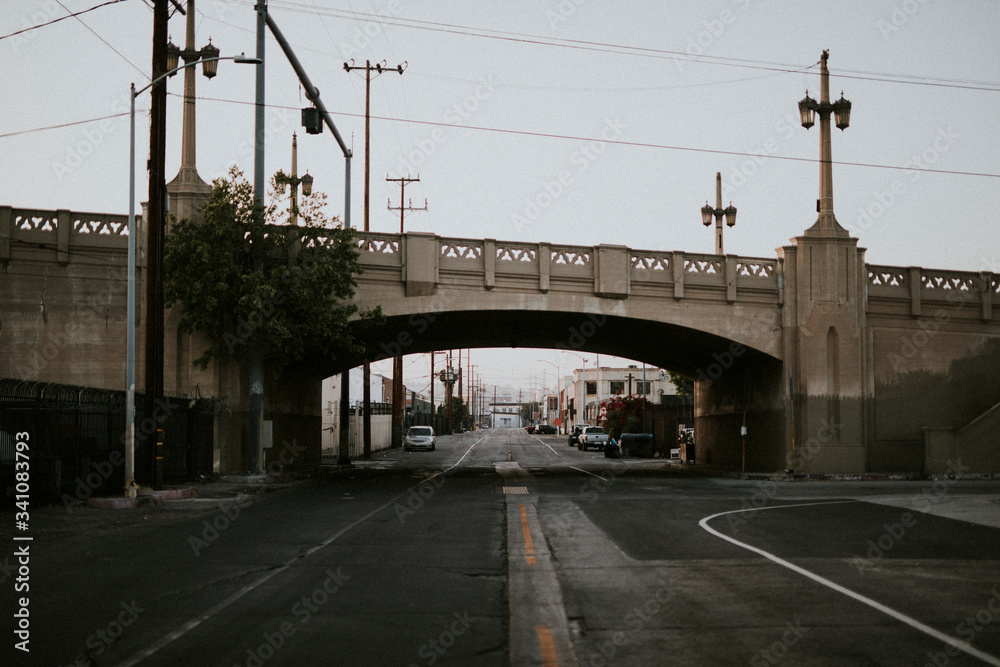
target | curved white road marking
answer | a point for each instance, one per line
(926, 629)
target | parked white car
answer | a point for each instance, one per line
(420, 437)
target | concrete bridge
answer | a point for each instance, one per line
(868, 368)
(837, 365)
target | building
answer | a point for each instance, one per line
(505, 414)
(581, 394)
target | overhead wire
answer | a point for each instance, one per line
(622, 49)
(70, 124)
(108, 44)
(61, 18)
(618, 142)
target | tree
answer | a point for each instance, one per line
(622, 415)
(529, 411)
(459, 413)
(683, 385)
(295, 303)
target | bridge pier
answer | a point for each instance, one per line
(748, 392)
(826, 363)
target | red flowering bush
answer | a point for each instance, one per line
(622, 414)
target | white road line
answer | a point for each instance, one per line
(926, 629)
(548, 445)
(455, 465)
(587, 472)
(195, 622)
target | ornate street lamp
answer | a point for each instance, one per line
(209, 55)
(729, 213)
(294, 180)
(841, 110)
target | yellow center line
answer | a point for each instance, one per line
(529, 546)
(549, 656)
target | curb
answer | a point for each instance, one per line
(853, 477)
(171, 494)
(123, 503)
(142, 499)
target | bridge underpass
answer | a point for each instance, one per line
(734, 382)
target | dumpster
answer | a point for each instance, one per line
(637, 444)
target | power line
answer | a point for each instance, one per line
(618, 142)
(138, 69)
(545, 135)
(640, 51)
(61, 18)
(70, 124)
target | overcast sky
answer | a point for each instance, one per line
(501, 101)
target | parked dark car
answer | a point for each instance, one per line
(573, 442)
(545, 429)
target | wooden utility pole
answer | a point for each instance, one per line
(154, 239)
(451, 388)
(379, 68)
(403, 209)
(397, 362)
(366, 374)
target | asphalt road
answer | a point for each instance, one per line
(505, 548)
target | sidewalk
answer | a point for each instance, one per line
(97, 515)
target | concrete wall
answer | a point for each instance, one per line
(935, 359)
(381, 432)
(63, 288)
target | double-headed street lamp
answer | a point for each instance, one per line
(558, 394)
(841, 110)
(209, 57)
(707, 213)
(294, 180)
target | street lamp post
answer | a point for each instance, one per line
(558, 396)
(209, 66)
(295, 180)
(827, 223)
(707, 213)
(584, 401)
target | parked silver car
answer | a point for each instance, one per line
(420, 437)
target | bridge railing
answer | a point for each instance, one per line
(60, 230)
(607, 269)
(919, 286)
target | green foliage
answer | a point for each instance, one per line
(683, 385)
(528, 410)
(622, 415)
(294, 305)
(459, 413)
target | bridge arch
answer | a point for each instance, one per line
(737, 384)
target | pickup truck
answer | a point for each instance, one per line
(592, 436)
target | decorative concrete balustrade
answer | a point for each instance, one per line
(61, 230)
(606, 270)
(426, 260)
(933, 287)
